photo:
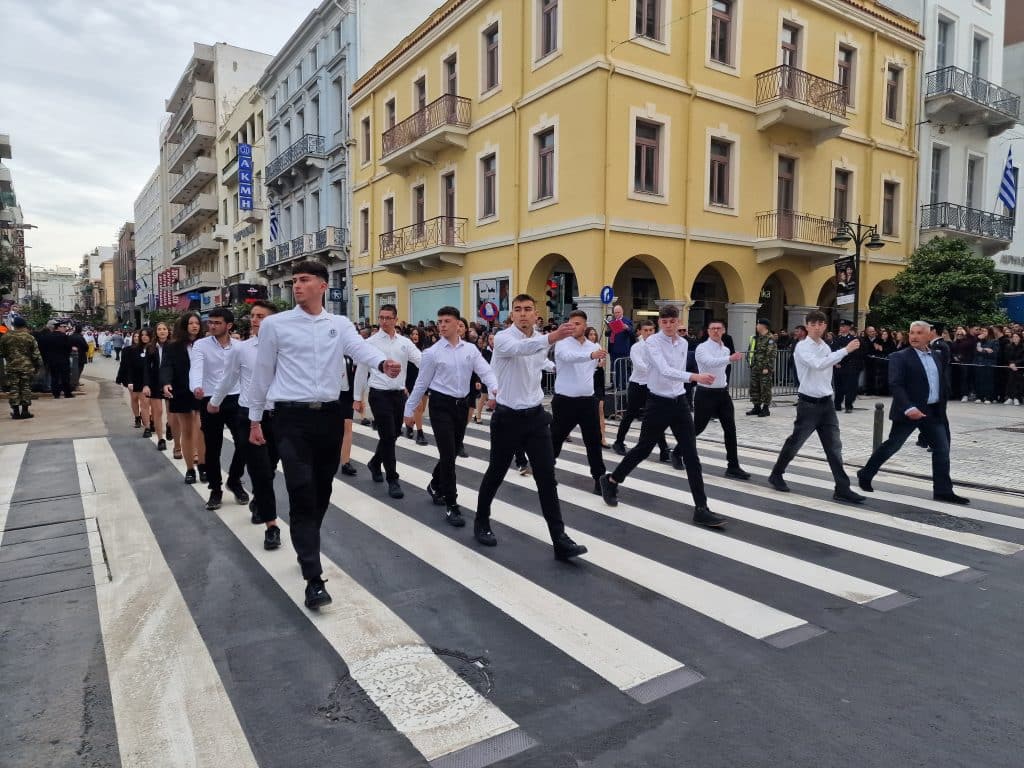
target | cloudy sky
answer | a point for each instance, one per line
(84, 83)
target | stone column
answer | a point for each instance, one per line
(742, 322)
(797, 313)
(595, 311)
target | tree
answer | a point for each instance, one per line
(947, 282)
(241, 313)
(38, 312)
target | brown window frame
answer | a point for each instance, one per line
(545, 165)
(647, 157)
(893, 89)
(367, 140)
(364, 230)
(451, 75)
(719, 165)
(390, 113)
(890, 208)
(721, 33)
(841, 186)
(492, 53)
(648, 19)
(846, 70)
(548, 27)
(419, 208)
(489, 188)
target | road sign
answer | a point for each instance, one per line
(245, 170)
(607, 294)
(489, 311)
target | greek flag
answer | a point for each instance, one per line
(1008, 187)
(274, 210)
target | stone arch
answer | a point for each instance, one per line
(882, 288)
(552, 264)
(827, 300)
(639, 283)
(780, 290)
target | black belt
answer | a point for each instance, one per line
(391, 392)
(285, 405)
(816, 400)
(667, 399)
(520, 411)
(459, 401)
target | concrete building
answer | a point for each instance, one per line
(12, 229)
(106, 294)
(89, 285)
(1010, 261)
(124, 273)
(149, 244)
(56, 286)
(214, 79)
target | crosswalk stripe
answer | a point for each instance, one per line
(11, 457)
(170, 705)
(748, 616)
(963, 538)
(423, 698)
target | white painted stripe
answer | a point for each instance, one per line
(722, 605)
(11, 457)
(169, 703)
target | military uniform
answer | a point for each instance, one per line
(761, 356)
(22, 360)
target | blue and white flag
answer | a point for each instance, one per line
(274, 209)
(1008, 186)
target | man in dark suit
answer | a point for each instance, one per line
(936, 342)
(920, 390)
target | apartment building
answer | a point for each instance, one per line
(124, 273)
(1011, 260)
(12, 229)
(89, 286)
(662, 149)
(213, 81)
(57, 286)
(149, 245)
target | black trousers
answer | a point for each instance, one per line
(667, 413)
(636, 399)
(60, 376)
(711, 404)
(817, 417)
(260, 460)
(388, 406)
(570, 412)
(213, 438)
(846, 386)
(933, 427)
(448, 420)
(522, 430)
(309, 444)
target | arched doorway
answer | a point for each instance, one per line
(880, 291)
(827, 302)
(781, 290)
(636, 289)
(710, 297)
(554, 267)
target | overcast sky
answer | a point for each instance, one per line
(84, 83)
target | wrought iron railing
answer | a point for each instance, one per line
(441, 230)
(798, 227)
(187, 211)
(188, 133)
(330, 237)
(446, 110)
(309, 144)
(284, 250)
(953, 80)
(184, 249)
(787, 82)
(970, 221)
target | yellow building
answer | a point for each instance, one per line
(105, 300)
(688, 151)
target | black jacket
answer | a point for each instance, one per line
(908, 382)
(175, 367)
(151, 370)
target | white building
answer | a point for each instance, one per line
(1011, 260)
(149, 240)
(379, 27)
(55, 286)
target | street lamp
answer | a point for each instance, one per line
(861, 235)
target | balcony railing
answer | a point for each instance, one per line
(439, 231)
(787, 82)
(203, 242)
(204, 201)
(969, 221)
(268, 257)
(798, 227)
(196, 129)
(447, 110)
(331, 237)
(306, 146)
(960, 82)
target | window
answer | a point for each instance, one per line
(790, 45)
(979, 56)
(648, 19)
(389, 113)
(420, 93)
(336, 38)
(645, 159)
(718, 192)
(545, 164)
(389, 220)
(364, 230)
(314, 210)
(491, 52)
(890, 207)
(419, 208)
(721, 31)
(451, 75)
(893, 88)
(488, 186)
(937, 175)
(974, 184)
(273, 104)
(365, 133)
(298, 75)
(943, 36)
(313, 61)
(846, 64)
(842, 196)
(548, 27)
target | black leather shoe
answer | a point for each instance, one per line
(375, 474)
(951, 498)
(190, 476)
(864, 482)
(316, 594)
(619, 448)
(482, 533)
(461, 451)
(138, 422)
(566, 548)
(778, 483)
(454, 516)
(665, 457)
(254, 515)
(609, 491)
(846, 494)
(849, 410)
(597, 487)
(272, 538)
(239, 492)
(213, 502)
(395, 490)
(365, 422)
(704, 516)
(421, 439)
(737, 473)
(755, 411)
(435, 497)
(161, 444)
(409, 433)
(677, 461)
(348, 469)
(147, 433)
(765, 412)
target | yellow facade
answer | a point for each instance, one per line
(635, 199)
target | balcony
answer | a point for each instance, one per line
(199, 69)
(229, 173)
(441, 124)
(787, 233)
(990, 232)
(326, 245)
(197, 105)
(195, 213)
(198, 137)
(6, 183)
(308, 152)
(201, 245)
(954, 95)
(194, 176)
(222, 233)
(256, 213)
(5, 146)
(432, 243)
(791, 97)
(201, 281)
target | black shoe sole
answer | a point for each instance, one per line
(318, 603)
(737, 475)
(485, 542)
(837, 497)
(619, 449)
(567, 556)
(456, 522)
(710, 523)
(349, 472)
(779, 485)
(271, 545)
(608, 493)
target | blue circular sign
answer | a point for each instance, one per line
(607, 294)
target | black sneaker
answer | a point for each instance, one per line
(737, 473)
(864, 481)
(365, 422)
(240, 494)
(482, 533)
(846, 494)
(421, 439)
(409, 433)
(665, 457)
(254, 513)
(778, 483)
(677, 460)
(213, 503)
(461, 451)
(190, 476)
(272, 538)
(454, 516)
(147, 433)
(765, 412)
(161, 444)
(395, 490)
(609, 490)
(619, 448)
(435, 497)
(138, 422)
(951, 498)
(597, 487)
(704, 516)
(316, 594)
(348, 469)
(375, 474)
(202, 472)
(566, 548)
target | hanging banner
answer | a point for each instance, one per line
(846, 280)
(245, 177)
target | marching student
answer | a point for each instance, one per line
(299, 364)
(712, 401)
(520, 422)
(667, 407)
(387, 397)
(261, 460)
(573, 404)
(182, 404)
(815, 409)
(445, 372)
(636, 394)
(152, 389)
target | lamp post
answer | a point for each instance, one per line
(861, 235)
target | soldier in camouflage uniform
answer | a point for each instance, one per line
(21, 355)
(761, 356)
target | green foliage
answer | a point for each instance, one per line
(947, 282)
(241, 312)
(162, 316)
(37, 313)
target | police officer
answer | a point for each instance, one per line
(761, 356)
(21, 355)
(847, 373)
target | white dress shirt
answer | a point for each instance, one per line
(574, 367)
(518, 361)
(448, 370)
(666, 356)
(398, 348)
(641, 365)
(713, 357)
(814, 361)
(301, 358)
(238, 373)
(209, 360)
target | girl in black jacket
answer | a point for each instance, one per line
(151, 383)
(183, 406)
(131, 374)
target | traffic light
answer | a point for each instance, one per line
(552, 294)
